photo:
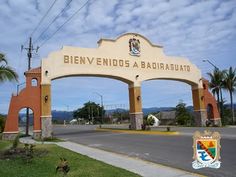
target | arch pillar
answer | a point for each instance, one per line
(209, 100)
(135, 103)
(28, 97)
(200, 113)
(46, 117)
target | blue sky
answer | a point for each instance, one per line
(197, 30)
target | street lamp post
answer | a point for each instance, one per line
(67, 110)
(220, 105)
(18, 87)
(101, 104)
(208, 61)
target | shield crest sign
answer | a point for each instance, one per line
(206, 150)
(134, 47)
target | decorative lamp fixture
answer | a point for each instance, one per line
(46, 98)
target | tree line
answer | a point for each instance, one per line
(223, 80)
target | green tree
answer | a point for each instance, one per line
(90, 112)
(2, 122)
(6, 72)
(216, 85)
(227, 115)
(229, 84)
(182, 115)
(121, 115)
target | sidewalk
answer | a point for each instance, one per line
(141, 167)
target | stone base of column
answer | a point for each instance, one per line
(200, 118)
(217, 122)
(37, 134)
(136, 120)
(9, 135)
(46, 126)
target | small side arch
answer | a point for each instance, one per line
(34, 82)
(210, 112)
(22, 120)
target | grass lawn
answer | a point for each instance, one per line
(4, 145)
(45, 165)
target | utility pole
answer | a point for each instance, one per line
(101, 105)
(29, 55)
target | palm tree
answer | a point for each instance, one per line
(216, 84)
(6, 72)
(230, 85)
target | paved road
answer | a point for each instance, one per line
(174, 151)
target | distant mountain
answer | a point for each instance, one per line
(190, 108)
(110, 111)
(228, 105)
(62, 115)
(147, 111)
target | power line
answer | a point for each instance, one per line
(43, 18)
(65, 23)
(58, 15)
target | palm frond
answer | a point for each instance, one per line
(7, 73)
(3, 58)
(230, 80)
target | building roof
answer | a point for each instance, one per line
(34, 71)
(166, 115)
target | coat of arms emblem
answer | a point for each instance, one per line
(206, 150)
(134, 47)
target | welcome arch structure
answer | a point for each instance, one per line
(130, 58)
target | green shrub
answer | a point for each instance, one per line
(15, 142)
(146, 124)
(29, 153)
(2, 123)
